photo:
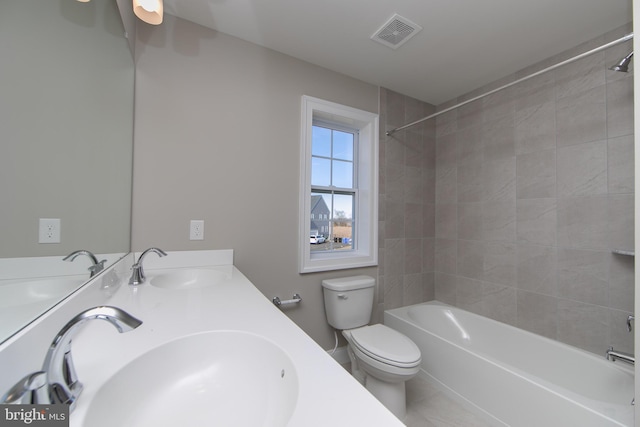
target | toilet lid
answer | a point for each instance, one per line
(386, 345)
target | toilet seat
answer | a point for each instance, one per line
(386, 345)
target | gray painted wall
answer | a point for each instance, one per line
(217, 138)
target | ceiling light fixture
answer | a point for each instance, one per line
(150, 11)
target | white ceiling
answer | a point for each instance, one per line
(464, 44)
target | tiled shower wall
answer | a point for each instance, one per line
(406, 203)
(533, 190)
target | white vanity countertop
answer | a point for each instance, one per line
(328, 395)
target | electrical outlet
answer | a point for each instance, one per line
(196, 229)
(49, 230)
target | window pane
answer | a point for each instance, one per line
(320, 224)
(342, 174)
(342, 224)
(342, 235)
(342, 145)
(321, 142)
(343, 207)
(320, 171)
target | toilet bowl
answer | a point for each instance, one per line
(382, 359)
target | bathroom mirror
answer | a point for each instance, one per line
(66, 131)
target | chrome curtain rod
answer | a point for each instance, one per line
(537, 73)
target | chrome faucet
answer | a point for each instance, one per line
(61, 377)
(96, 266)
(614, 355)
(30, 390)
(137, 276)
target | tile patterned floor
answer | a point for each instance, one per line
(428, 406)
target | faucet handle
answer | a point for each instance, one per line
(32, 389)
(97, 267)
(629, 319)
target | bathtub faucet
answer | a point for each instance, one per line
(614, 355)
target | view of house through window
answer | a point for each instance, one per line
(333, 188)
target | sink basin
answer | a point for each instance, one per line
(34, 291)
(222, 378)
(190, 278)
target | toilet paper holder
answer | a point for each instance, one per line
(279, 303)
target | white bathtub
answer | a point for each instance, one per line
(516, 377)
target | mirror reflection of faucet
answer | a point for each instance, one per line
(58, 383)
(96, 266)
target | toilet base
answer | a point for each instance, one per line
(391, 395)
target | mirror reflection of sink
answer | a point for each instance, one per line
(221, 378)
(36, 291)
(189, 278)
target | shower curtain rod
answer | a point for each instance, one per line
(537, 73)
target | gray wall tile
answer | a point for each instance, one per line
(446, 221)
(499, 302)
(621, 221)
(620, 107)
(499, 179)
(583, 276)
(580, 76)
(537, 313)
(498, 138)
(537, 221)
(446, 184)
(499, 220)
(621, 282)
(582, 117)
(536, 269)
(583, 222)
(536, 174)
(470, 225)
(413, 220)
(446, 255)
(470, 183)
(620, 164)
(582, 169)
(583, 325)
(535, 128)
(469, 145)
(445, 288)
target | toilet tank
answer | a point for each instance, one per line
(348, 301)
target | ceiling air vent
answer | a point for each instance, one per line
(396, 31)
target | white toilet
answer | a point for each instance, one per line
(382, 359)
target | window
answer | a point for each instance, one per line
(339, 187)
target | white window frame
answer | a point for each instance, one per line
(365, 253)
